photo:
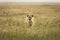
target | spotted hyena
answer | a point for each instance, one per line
(30, 20)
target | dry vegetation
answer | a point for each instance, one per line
(13, 24)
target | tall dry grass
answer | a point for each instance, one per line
(13, 26)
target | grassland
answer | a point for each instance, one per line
(13, 24)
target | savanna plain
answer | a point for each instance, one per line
(13, 23)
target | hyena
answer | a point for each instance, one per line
(30, 22)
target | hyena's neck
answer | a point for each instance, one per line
(30, 23)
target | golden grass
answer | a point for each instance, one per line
(13, 24)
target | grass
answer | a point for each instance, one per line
(13, 25)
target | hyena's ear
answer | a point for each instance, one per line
(27, 15)
(32, 15)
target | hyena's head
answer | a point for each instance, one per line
(29, 17)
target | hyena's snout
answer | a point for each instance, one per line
(30, 22)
